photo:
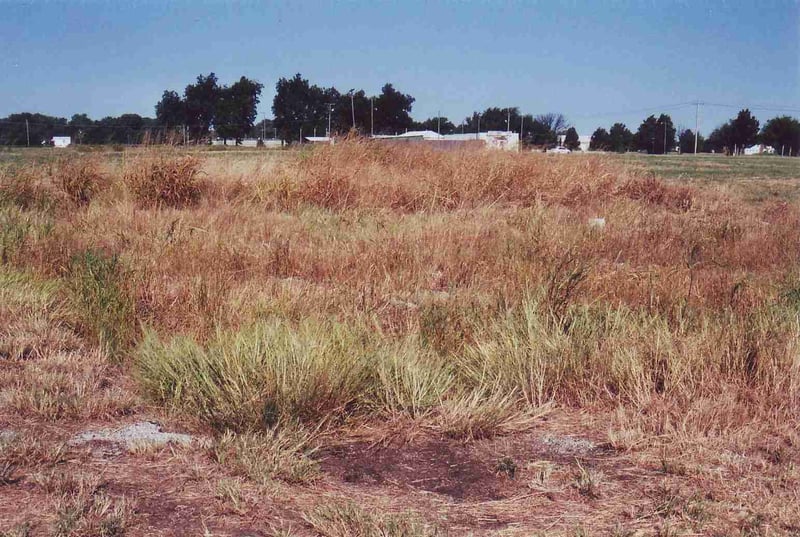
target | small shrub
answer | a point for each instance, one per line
(587, 481)
(282, 454)
(259, 375)
(483, 414)
(97, 285)
(506, 466)
(346, 519)
(164, 181)
(411, 383)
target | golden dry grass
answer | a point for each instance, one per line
(461, 294)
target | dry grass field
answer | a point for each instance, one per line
(393, 341)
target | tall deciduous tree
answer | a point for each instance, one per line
(201, 100)
(299, 105)
(571, 139)
(782, 133)
(744, 129)
(600, 140)
(686, 142)
(236, 109)
(620, 138)
(171, 110)
(392, 111)
(656, 135)
(442, 125)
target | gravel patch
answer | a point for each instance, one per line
(131, 435)
(568, 445)
(7, 435)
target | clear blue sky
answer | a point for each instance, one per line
(597, 62)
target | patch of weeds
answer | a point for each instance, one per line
(97, 284)
(667, 501)
(7, 471)
(696, 509)
(346, 519)
(20, 530)
(587, 481)
(506, 466)
(229, 491)
(481, 413)
(621, 531)
(28, 451)
(283, 454)
(667, 530)
(83, 508)
(540, 474)
(753, 525)
(411, 383)
(671, 466)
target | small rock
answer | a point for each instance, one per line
(130, 435)
(568, 445)
(598, 223)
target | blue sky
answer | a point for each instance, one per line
(597, 62)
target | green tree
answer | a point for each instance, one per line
(744, 129)
(441, 125)
(39, 129)
(782, 133)
(620, 138)
(201, 101)
(686, 142)
(600, 140)
(299, 105)
(171, 110)
(236, 109)
(571, 139)
(392, 111)
(656, 136)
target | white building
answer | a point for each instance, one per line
(584, 141)
(503, 140)
(61, 141)
(759, 150)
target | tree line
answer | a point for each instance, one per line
(657, 135)
(207, 108)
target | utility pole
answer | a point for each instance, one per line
(508, 121)
(330, 111)
(696, 116)
(28, 132)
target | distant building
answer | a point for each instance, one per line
(759, 149)
(61, 141)
(508, 141)
(318, 139)
(246, 142)
(584, 141)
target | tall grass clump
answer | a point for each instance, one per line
(260, 375)
(98, 287)
(23, 188)
(78, 178)
(164, 181)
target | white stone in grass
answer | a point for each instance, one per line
(598, 223)
(132, 435)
